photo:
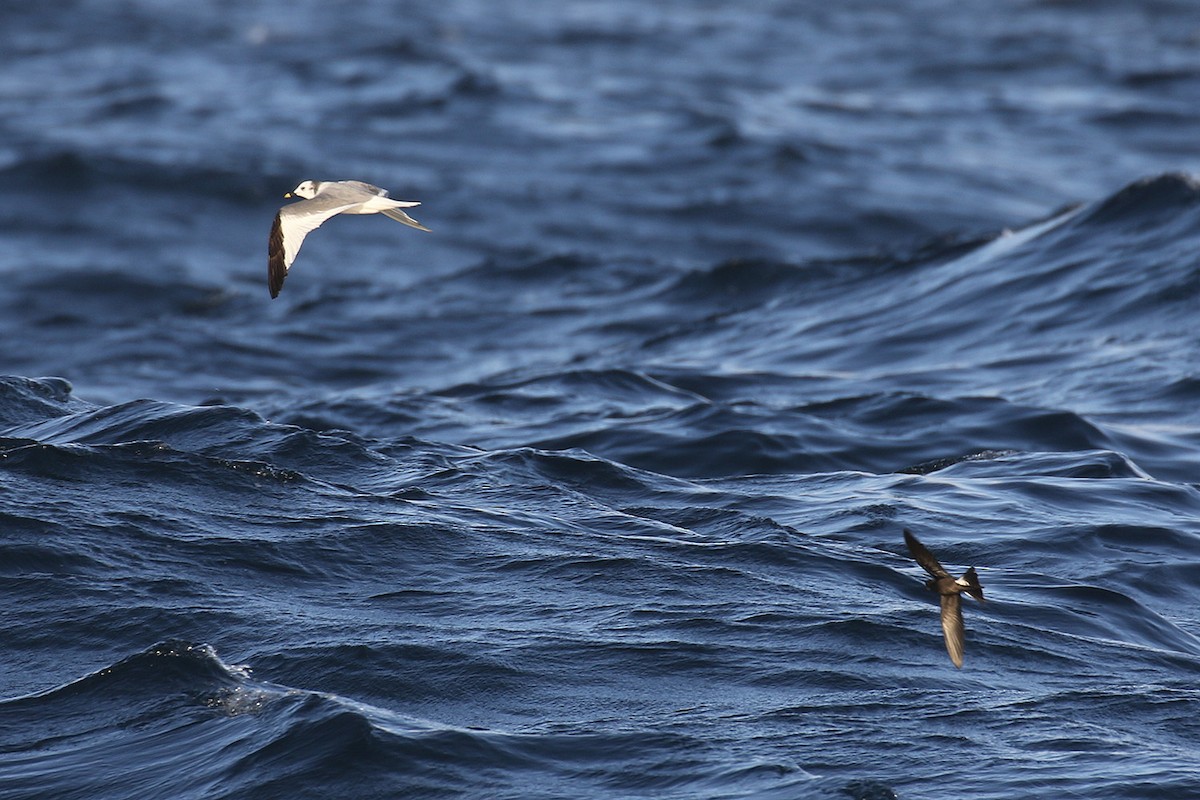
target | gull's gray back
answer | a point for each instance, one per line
(366, 187)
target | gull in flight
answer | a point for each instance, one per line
(324, 199)
(949, 589)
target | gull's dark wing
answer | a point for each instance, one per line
(952, 627)
(277, 268)
(924, 557)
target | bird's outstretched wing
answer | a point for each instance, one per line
(292, 224)
(400, 216)
(924, 557)
(952, 627)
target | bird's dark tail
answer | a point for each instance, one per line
(972, 585)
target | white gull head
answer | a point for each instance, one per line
(307, 189)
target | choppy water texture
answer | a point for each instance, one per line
(597, 490)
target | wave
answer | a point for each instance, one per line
(667, 425)
(1062, 273)
(76, 171)
(35, 399)
(176, 721)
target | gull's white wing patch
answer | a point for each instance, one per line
(292, 224)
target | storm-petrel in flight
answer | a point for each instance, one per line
(948, 588)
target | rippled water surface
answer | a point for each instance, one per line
(597, 490)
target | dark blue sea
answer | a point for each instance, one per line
(597, 490)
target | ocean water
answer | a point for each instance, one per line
(597, 490)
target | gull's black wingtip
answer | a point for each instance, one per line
(276, 268)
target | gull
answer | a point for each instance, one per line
(948, 588)
(324, 199)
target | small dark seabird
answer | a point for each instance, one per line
(948, 588)
(324, 200)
